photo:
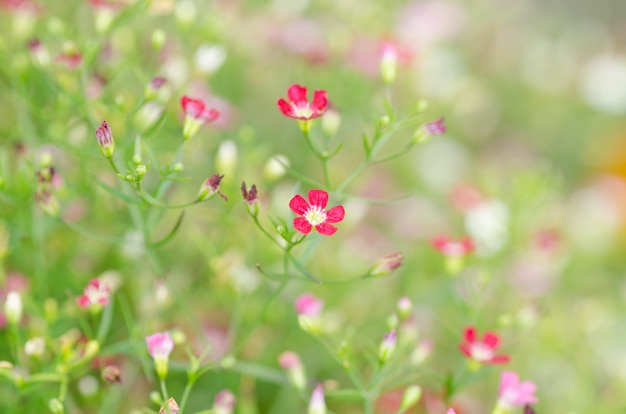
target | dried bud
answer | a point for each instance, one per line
(251, 199)
(112, 374)
(386, 264)
(170, 407)
(211, 187)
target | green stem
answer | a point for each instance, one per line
(164, 392)
(186, 392)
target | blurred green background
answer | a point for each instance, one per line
(534, 96)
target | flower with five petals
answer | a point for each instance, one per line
(314, 215)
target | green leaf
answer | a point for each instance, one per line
(115, 192)
(172, 232)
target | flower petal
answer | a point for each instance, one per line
(285, 107)
(298, 204)
(466, 349)
(335, 214)
(302, 225)
(320, 101)
(209, 115)
(326, 229)
(297, 94)
(499, 359)
(318, 198)
(491, 339)
(470, 334)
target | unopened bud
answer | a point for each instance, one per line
(387, 346)
(291, 363)
(404, 307)
(331, 122)
(158, 39)
(105, 139)
(141, 170)
(170, 407)
(410, 397)
(389, 62)
(317, 404)
(224, 403)
(13, 308)
(386, 264)
(112, 374)
(55, 406)
(35, 347)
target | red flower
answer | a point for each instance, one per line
(196, 109)
(299, 107)
(452, 248)
(314, 214)
(482, 350)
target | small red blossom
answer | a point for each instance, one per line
(96, 293)
(482, 350)
(72, 59)
(196, 109)
(314, 215)
(299, 107)
(452, 248)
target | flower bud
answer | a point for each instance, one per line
(13, 308)
(331, 122)
(410, 397)
(210, 187)
(389, 62)
(386, 264)
(387, 346)
(112, 374)
(224, 403)
(404, 307)
(55, 406)
(158, 39)
(170, 407)
(105, 139)
(140, 171)
(291, 363)
(317, 404)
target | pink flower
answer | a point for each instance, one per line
(196, 114)
(309, 305)
(71, 58)
(160, 345)
(314, 215)
(482, 350)
(196, 109)
(435, 127)
(451, 411)
(96, 293)
(299, 107)
(291, 363)
(452, 248)
(224, 402)
(514, 393)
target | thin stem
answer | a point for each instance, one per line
(186, 392)
(164, 392)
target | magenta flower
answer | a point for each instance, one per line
(514, 393)
(309, 305)
(453, 248)
(435, 127)
(482, 350)
(299, 107)
(95, 294)
(314, 215)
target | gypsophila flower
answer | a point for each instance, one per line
(482, 350)
(314, 215)
(388, 62)
(160, 345)
(251, 198)
(95, 294)
(13, 307)
(387, 346)
(196, 114)
(435, 127)
(299, 107)
(112, 374)
(387, 264)
(513, 392)
(309, 305)
(170, 407)
(453, 248)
